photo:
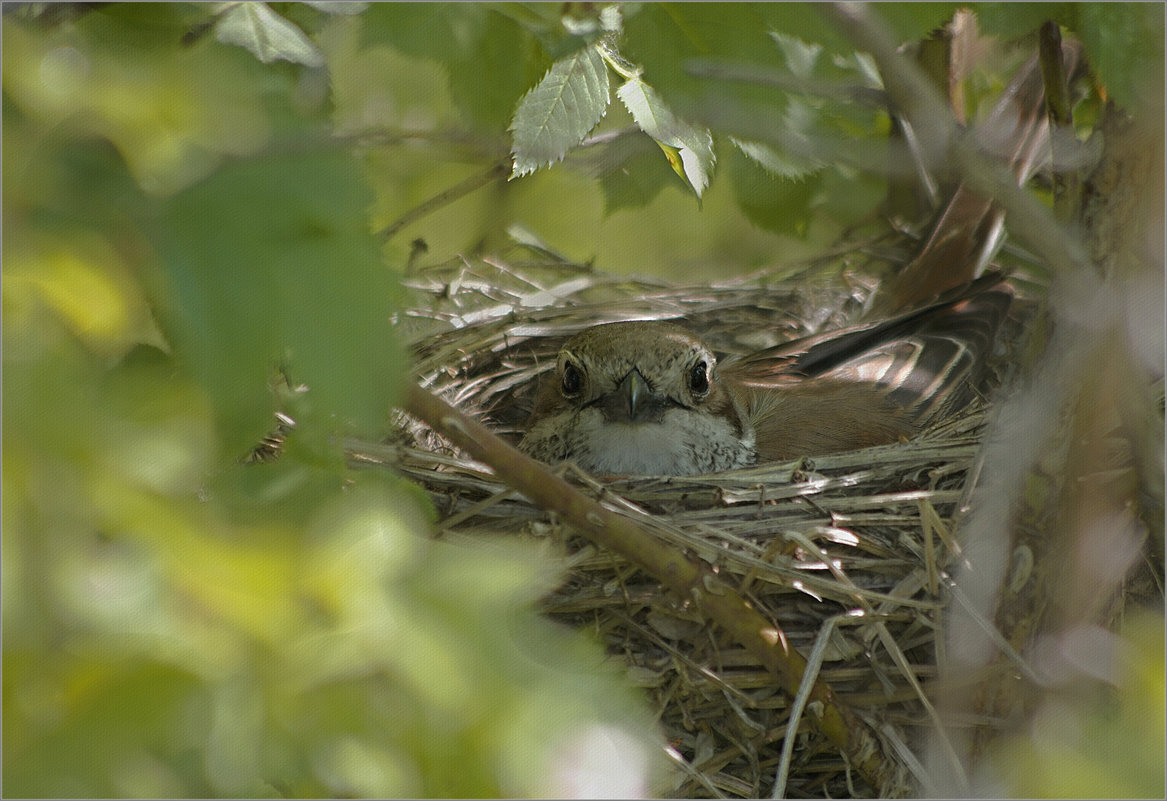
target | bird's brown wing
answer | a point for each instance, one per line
(965, 232)
(876, 381)
(822, 416)
(924, 362)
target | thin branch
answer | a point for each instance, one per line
(445, 198)
(1067, 187)
(719, 69)
(910, 91)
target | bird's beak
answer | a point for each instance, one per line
(633, 389)
(632, 401)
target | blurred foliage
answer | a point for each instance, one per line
(186, 247)
(1095, 739)
(190, 195)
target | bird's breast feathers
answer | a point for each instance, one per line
(684, 441)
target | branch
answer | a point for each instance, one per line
(445, 198)
(688, 577)
(724, 70)
(1061, 122)
(917, 100)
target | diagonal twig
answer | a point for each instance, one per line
(688, 577)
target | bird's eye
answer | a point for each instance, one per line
(572, 380)
(699, 379)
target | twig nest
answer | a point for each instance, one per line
(846, 554)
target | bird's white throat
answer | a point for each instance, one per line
(684, 442)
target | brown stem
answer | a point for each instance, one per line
(445, 198)
(688, 577)
(1061, 121)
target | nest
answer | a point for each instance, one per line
(807, 542)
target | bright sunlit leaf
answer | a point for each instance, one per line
(688, 148)
(267, 35)
(560, 111)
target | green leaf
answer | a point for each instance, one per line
(1124, 42)
(693, 145)
(631, 173)
(269, 263)
(783, 207)
(781, 165)
(122, 709)
(911, 22)
(800, 56)
(439, 31)
(345, 9)
(556, 29)
(1096, 738)
(667, 39)
(560, 111)
(849, 195)
(800, 127)
(1011, 21)
(267, 35)
(486, 77)
(483, 50)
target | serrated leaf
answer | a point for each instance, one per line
(560, 111)
(1124, 41)
(911, 22)
(664, 38)
(267, 35)
(782, 165)
(800, 56)
(694, 145)
(783, 207)
(628, 168)
(799, 128)
(612, 19)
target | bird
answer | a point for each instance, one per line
(651, 397)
